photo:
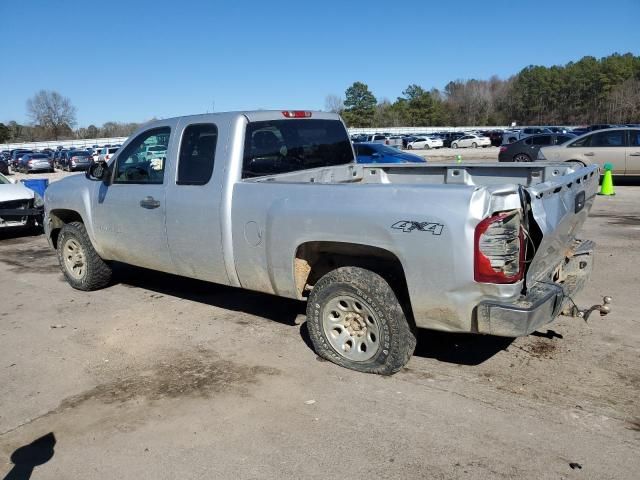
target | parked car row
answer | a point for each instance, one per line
(431, 140)
(47, 160)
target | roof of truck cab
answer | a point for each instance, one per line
(251, 115)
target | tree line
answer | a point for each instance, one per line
(605, 90)
(53, 117)
(591, 90)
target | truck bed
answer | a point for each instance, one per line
(488, 174)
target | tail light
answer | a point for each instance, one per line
(30, 162)
(296, 114)
(106, 157)
(499, 248)
(503, 149)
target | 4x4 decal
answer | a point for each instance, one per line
(411, 225)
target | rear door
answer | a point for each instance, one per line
(633, 153)
(608, 146)
(194, 197)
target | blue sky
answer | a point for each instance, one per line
(130, 61)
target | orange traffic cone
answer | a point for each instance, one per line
(607, 181)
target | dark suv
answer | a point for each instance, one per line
(448, 137)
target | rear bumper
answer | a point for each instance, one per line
(543, 301)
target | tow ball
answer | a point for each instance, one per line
(603, 308)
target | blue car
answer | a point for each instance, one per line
(368, 152)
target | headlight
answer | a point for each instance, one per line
(37, 200)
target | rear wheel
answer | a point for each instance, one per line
(82, 266)
(356, 321)
(409, 147)
(427, 146)
(454, 145)
(521, 157)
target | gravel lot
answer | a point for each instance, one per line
(161, 377)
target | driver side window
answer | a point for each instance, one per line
(143, 161)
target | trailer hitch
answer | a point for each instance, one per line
(603, 308)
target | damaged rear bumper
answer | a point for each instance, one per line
(543, 302)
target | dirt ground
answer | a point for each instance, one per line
(161, 377)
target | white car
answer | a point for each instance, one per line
(106, 153)
(425, 142)
(473, 141)
(19, 206)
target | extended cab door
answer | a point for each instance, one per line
(129, 211)
(194, 198)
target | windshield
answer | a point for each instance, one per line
(279, 146)
(80, 154)
(39, 155)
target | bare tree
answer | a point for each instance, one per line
(333, 103)
(51, 111)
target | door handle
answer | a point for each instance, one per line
(149, 202)
(634, 154)
(589, 154)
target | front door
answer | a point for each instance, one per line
(129, 212)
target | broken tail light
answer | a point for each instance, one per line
(499, 248)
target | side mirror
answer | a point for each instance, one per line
(98, 171)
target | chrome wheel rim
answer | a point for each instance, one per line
(520, 158)
(74, 258)
(352, 328)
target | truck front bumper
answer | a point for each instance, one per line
(543, 301)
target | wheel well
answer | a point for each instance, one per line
(58, 219)
(315, 259)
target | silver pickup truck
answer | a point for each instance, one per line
(273, 201)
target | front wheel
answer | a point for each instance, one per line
(82, 266)
(409, 147)
(474, 145)
(356, 321)
(454, 145)
(427, 146)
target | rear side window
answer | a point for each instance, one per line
(634, 138)
(197, 154)
(280, 146)
(562, 138)
(542, 140)
(608, 138)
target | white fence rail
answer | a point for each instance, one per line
(411, 130)
(87, 142)
(90, 142)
